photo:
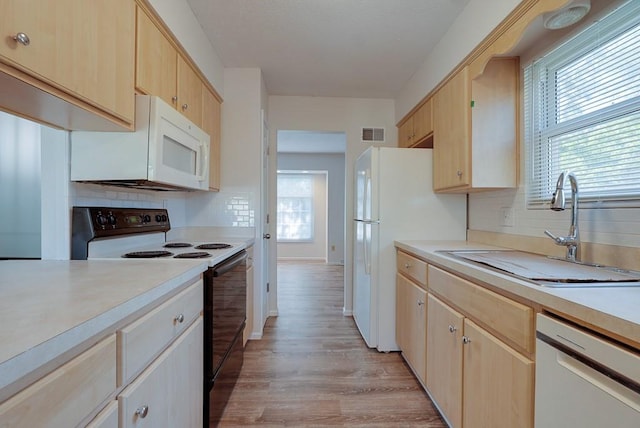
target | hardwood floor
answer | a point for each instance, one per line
(312, 368)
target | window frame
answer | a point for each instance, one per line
(540, 111)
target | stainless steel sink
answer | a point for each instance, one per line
(547, 271)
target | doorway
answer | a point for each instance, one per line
(317, 151)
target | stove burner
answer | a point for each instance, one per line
(147, 254)
(215, 246)
(193, 255)
(177, 245)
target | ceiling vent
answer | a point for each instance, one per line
(373, 135)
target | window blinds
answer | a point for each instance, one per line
(582, 112)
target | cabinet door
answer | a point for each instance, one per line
(411, 324)
(451, 133)
(498, 382)
(169, 391)
(423, 121)
(156, 61)
(85, 48)
(405, 133)
(189, 92)
(211, 125)
(185, 378)
(444, 358)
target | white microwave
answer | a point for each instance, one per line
(165, 152)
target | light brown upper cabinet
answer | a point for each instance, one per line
(475, 129)
(189, 92)
(69, 63)
(211, 125)
(417, 127)
(162, 71)
(156, 61)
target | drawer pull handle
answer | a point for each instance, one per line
(407, 265)
(174, 99)
(185, 107)
(420, 302)
(466, 340)
(452, 329)
(22, 38)
(142, 411)
(179, 319)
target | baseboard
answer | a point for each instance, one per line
(347, 312)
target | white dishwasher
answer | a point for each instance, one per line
(583, 380)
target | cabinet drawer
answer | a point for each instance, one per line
(507, 318)
(412, 267)
(65, 396)
(141, 341)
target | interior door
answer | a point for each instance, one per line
(268, 287)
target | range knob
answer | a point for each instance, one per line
(164, 217)
(112, 219)
(101, 219)
(158, 218)
(146, 218)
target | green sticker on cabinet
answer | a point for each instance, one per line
(473, 103)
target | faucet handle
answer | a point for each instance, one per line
(558, 240)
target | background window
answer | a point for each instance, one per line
(582, 112)
(295, 207)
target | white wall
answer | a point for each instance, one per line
(347, 115)
(334, 164)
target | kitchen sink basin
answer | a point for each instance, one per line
(548, 271)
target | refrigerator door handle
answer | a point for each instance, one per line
(367, 266)
(367, 221)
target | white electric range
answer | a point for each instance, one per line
(133, 233)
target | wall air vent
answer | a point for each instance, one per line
(373, 135)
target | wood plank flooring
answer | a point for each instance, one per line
(313, 369)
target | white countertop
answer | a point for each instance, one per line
(614, 309)
(49, 307)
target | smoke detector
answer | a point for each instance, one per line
(568, 15)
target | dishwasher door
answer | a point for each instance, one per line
(582, 380)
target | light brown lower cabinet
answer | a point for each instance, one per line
(169, 392)
(475, 378)
(411, 323)
(65, 396)
(107, 418)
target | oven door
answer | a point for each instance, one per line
(178, 149)
(225, 309)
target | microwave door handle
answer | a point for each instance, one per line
(202, 156)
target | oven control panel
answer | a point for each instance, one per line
(89, 223)
(108, 221)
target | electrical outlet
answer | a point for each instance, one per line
(506, 217)
(333, 248)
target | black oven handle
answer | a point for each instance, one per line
(229, 264)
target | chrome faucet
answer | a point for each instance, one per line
(557, 204)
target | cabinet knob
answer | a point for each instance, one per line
(142, 411)
(22, 38)
(407, 265)
(174, 99)
(459, 173)
(185, 106)
(452, 329)
(420, 303)
(466, 340)
(179, 319)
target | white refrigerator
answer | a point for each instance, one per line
(394, 200)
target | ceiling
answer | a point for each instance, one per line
(331, 48)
